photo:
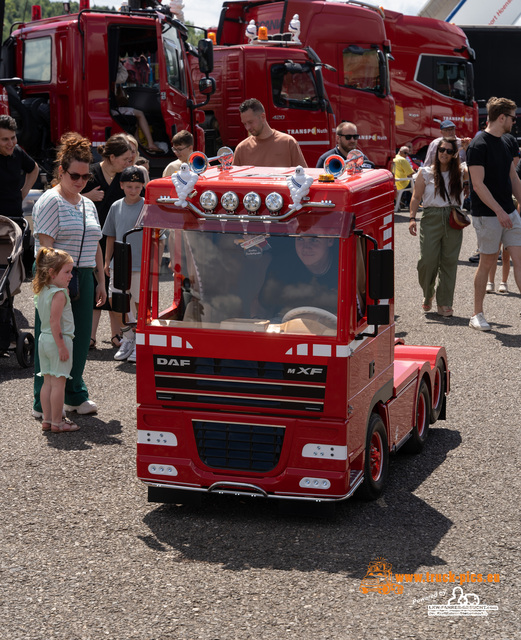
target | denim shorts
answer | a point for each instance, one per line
(491, 234)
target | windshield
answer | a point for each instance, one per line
(238, 282)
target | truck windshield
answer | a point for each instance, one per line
(238, 282)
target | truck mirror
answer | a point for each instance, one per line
(207, 86)
(122, 265)
(381, 274)
(377, 314)
(205, 51)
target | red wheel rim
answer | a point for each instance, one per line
(437, 388)
(421, 414)
(376, 457)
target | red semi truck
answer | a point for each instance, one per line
(351, 39)
(67, 68)
(267, 363)
(432, 79)
(430, 62)
(286, 79)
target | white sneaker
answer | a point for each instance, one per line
(503, 287)
(132, 356)
(126, 347)
(490, 287)
(478, 322)
(84, 408)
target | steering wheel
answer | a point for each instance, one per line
(325, 317)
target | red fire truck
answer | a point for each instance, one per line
(286, 79)
(351, 39)
(432, 78)
(267, 363)
(68, 66)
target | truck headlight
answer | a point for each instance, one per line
(274, 202)
(208, 200)
(230, 201)
(251, 201)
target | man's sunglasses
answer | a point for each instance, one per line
(79, 176)
(448, 150)
(509, 116)
(349, 136)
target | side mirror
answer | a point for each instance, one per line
(205, 51)
(122, 265)
(381, 275)
(207, 86)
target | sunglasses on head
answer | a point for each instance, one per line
(349, 136)
(448, 150)
(79, 176)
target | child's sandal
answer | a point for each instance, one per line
(46, 425)
(64, 426)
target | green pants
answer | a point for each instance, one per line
(75, 389)
(440, 245)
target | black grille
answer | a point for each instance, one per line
(248, 447)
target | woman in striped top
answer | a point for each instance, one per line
(64, 219)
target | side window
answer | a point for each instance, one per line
(293, 86)
(175, 64)
(361, 69)
(37, 60)
(448, 77)
(361, 279)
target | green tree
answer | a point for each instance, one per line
(20, 11)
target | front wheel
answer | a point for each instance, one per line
(376, 463)
(420, 430)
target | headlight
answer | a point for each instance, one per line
(274, 202)
(208, 200)
(230, 201)
(251, 201)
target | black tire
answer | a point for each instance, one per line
(420, 430)
(376, 463)
(438, 391)
(25, 350)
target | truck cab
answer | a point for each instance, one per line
(68, 66)
(287, 80)
(267, 363)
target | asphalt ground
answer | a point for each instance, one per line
(85, 556)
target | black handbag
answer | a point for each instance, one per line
(74, 284)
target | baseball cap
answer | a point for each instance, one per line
(132, 174)
(447, 124)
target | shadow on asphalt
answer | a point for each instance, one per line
(93, 432)
(241, 533)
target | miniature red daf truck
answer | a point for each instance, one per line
(267, 363)
(286, 79)
(67, 67)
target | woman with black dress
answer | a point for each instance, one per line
(104, 189)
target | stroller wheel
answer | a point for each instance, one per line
(25, 350)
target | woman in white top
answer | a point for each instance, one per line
(64, 219)
(441, 188)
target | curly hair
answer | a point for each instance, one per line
(48, 258)
(73, 147)
(455, 182)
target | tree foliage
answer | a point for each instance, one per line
(20, 11)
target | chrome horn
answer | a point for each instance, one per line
(199, 162)
(335, 165)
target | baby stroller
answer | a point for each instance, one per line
(12, 274)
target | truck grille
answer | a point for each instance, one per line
(262, 385)
(246, 447)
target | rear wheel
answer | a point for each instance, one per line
(376, 463)
(25, 350)
(438, 391)
(420, 430)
